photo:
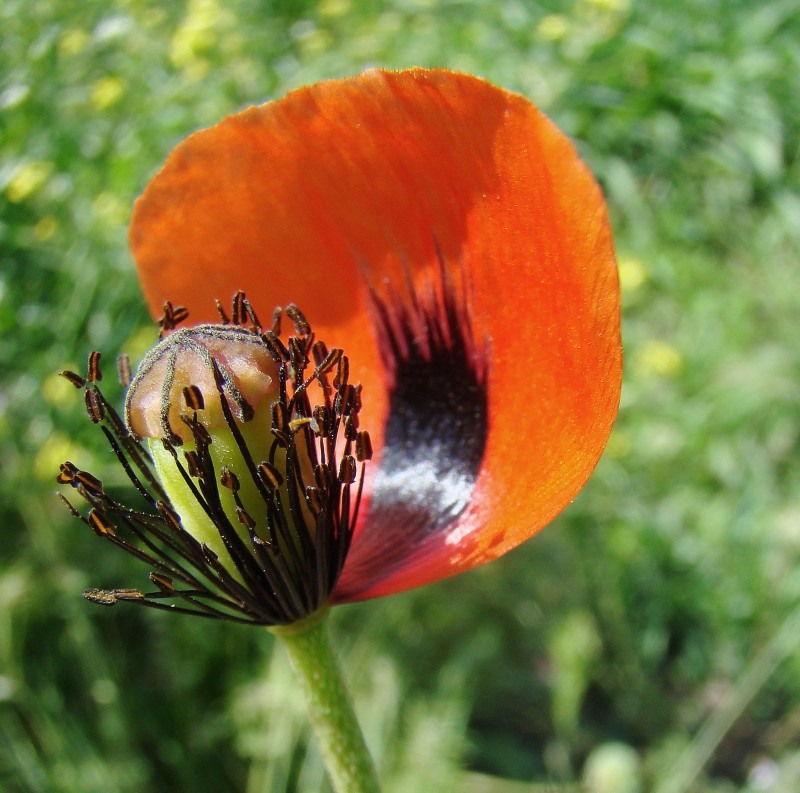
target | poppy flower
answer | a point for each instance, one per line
(446, 235)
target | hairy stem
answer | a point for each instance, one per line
(330, 709)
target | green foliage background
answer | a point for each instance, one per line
(651, 632)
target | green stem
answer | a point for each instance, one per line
(331, 712)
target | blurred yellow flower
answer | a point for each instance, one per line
(57, 390)
(610, 6)
(316, 41)
(632, 274)
(196, 36)
(659, 358)
(45, 228)
(27, 179)
(153, 17)
(333, 8)
(553, 27)
(72, 42)
(110, 209)
(58, 448)
(106, 92)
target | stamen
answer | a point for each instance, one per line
(101, 525)
(230, 480)
(124, 370)
(100, 596)
(237, 309)
(95, 375)
(193, 464)
(276, 347)
(342, 372)
(165, 584)
(172, 317)
(270, 475)
(193, 397)
(276, 321)
(363, 447)
(283, 517)
(247, 521)
(347, 470)
(94, 406)
(225, 320)
(301, 325)
(75, 379)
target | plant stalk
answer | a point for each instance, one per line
(338, 733)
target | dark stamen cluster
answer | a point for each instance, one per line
(293, 546)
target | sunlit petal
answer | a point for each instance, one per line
(446, 234)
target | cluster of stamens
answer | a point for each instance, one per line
(281, 517)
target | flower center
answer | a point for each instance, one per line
(257, 484)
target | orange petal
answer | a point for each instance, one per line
(409, 190)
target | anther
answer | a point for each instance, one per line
(100, 596)
(75, 379)
(297, 353)
(319, 351)
(322, 477)
(276, 347)
(363, 447)
(193, 464)
(170, 516)
(347, 470)
(314, 499)
(100, 524)
(342, 372)
(82, 481)
(343, 403)
(270, 475)
(251, 315)
(193, 397)
(172, 317)
(94, 407)
(242, 312)
(280, 417)
(351, 427)
(67, 473)
(229, 479)
(245, 519)
(224, 318)
(200, 434)
(94, 373)
(333, 358)
(276, 320)
(128, 594)
(124, 370)
(86, 483)
(238, 311)
(164, 583)
(301, 325)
